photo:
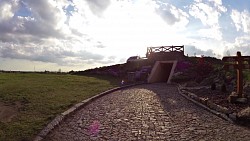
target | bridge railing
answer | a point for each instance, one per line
(151, 50)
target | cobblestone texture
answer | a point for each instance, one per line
(146, 112)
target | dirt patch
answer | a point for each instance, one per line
(219, 98)
(9, 110)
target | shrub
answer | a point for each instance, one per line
(223, 88)
(213, 86)
(182, 66)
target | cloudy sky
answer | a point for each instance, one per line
(80, 34)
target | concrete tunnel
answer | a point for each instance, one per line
(162, 71)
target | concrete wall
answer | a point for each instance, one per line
(162, 71)
(166, 56)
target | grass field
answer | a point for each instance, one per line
(42, 97)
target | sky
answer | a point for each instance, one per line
(39, 35)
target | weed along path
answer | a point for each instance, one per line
(146, 112)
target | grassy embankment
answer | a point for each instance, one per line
(42, 97)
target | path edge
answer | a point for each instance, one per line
(61, 117)
(230, 117)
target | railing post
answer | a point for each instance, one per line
(239, 75)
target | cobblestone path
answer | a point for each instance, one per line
(146, 112)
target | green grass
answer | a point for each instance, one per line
(247, 76)
(44, 96)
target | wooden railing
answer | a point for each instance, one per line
(165, 49)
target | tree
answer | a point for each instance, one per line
(228, 53)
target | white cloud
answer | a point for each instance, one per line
(6, 12)
(45, 36)
(218, 2)
(212, 33)
(240, 44)
(241, 20)
(200, 11)
(90, 28)
(208, 13)
(172, 15)
(193, 50)
(236, 17)
(47, 53)
(98, 6)
(52, 18)
(7, 9)
(242, 41)
(41, 24)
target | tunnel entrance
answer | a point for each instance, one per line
(162, 71)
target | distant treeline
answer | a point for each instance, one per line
(40, 72)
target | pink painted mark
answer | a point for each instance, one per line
(94, 128)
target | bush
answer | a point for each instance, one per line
(223, 88)
(213, 86)
(182, 66)
(203, 69)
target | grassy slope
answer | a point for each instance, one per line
(44, 96)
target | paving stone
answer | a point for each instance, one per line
(145, 112)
